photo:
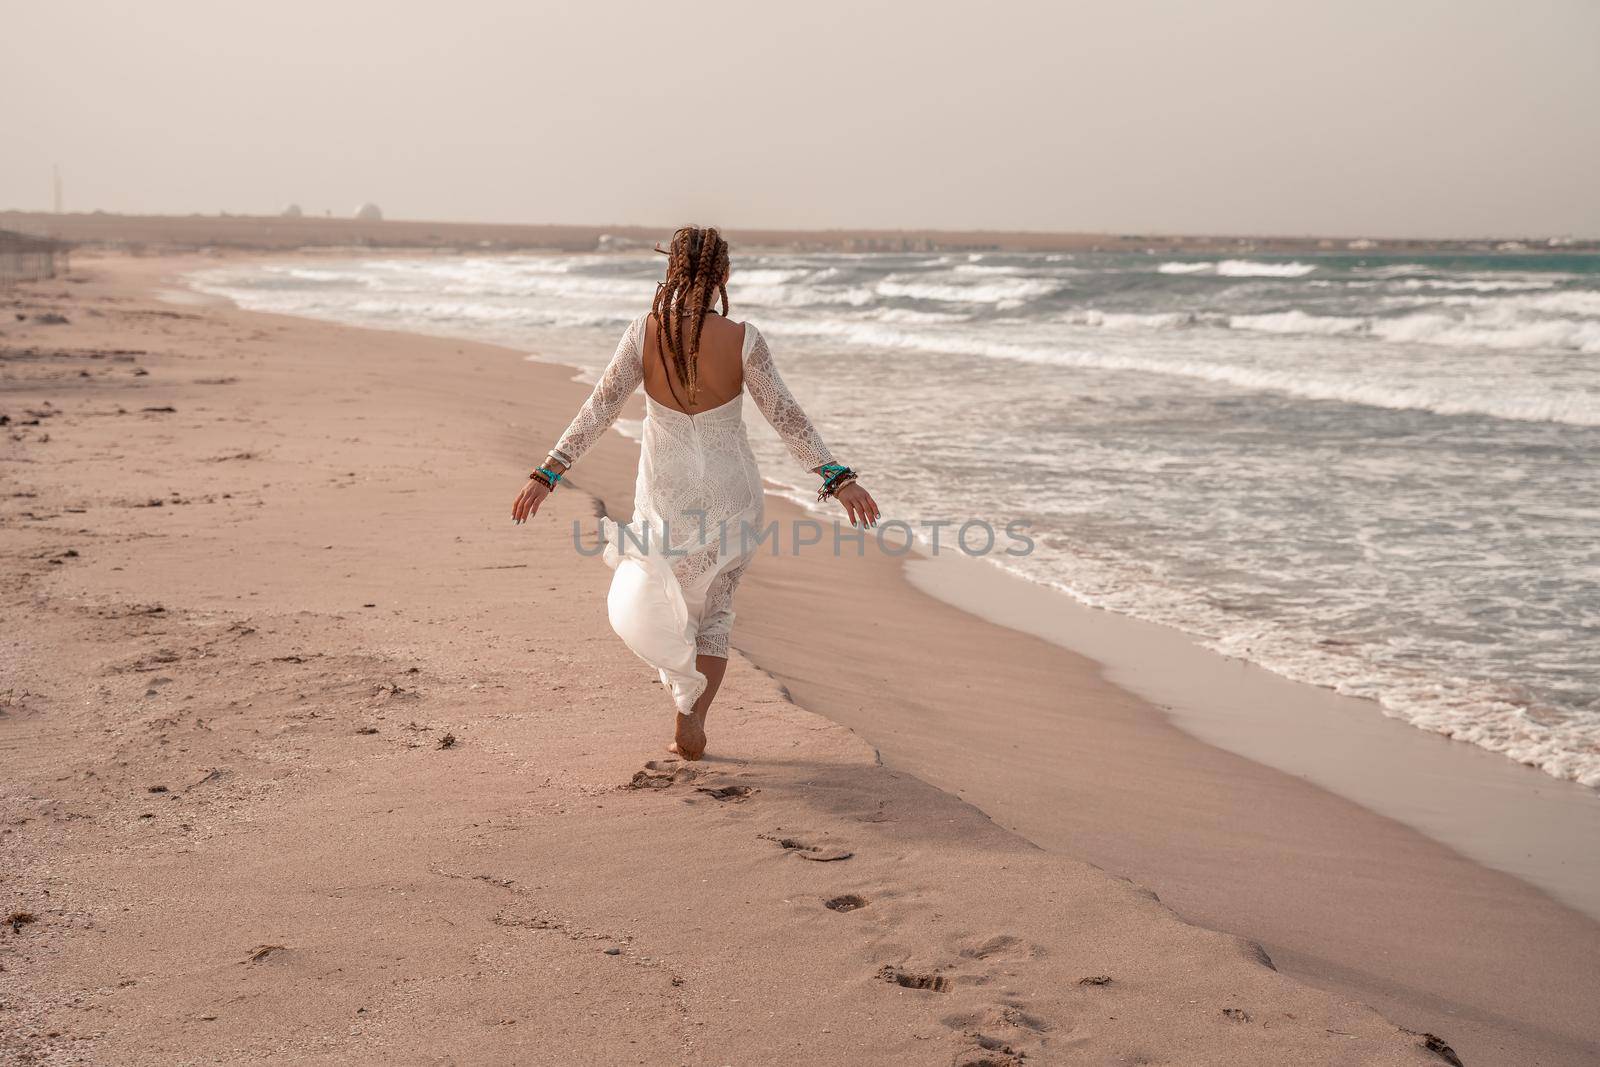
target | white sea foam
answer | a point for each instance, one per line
(986, 268)
(1392, 270)
(1502, 326)
(913, 316)
(1238, 268)
(1440, 396)
(1126, 320)
(1480, 285)
(770, 277)
(1583, 303)
(1296, 321)
(1246, 268)
(794, 296)
(1000, 290)
(1467, 709)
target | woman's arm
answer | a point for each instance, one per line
(780, 407)
(599, 412)
(786, 415)
(620, 378)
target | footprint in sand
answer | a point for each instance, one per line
(982, 1028)
(996, 1017)
(727, 792)
(846, 902)
(807, 849)
(937, 983)
(998, 947)
(661, 774)
(990, 1052)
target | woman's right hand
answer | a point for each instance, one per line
(858, 504)
(528, 501)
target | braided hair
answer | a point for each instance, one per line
(697, 273)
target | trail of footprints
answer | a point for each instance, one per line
(1001, 1033)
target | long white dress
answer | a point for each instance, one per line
(697, 511)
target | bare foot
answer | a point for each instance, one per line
(691, 737)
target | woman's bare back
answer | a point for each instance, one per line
(718, 361)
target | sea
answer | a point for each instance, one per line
(1376, 474)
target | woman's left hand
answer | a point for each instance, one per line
(528, 501)
(858, 504)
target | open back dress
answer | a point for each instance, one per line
(697, 508)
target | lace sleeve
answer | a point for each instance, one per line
(780, 407)
(621, 377)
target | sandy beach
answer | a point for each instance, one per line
(310, 756)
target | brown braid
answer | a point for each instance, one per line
(697, 273)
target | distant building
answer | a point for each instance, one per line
(291, 212)
(1361, 244)
(369, 212)
(1561, 242)
(1510, 246)
(25, 258)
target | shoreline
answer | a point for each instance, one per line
(1452, 791)
(932, 859)
(1382, 762)
(1352, 866)
(1348, 891)
(311, 757)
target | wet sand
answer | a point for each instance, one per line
(1272, 848)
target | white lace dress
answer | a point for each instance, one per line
(697, 508)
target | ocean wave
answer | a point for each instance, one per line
(766, 276)
(1506, 331)
(1392, 270)
(1501, 327)
(999, 291)
(1584, 303)
(1238, 268)
(1246, 268)
(800, 296)
(1499, 332)
(1475, 710)
(912, 316)
(1131, 320)
(1297, 321)
(986, 268)
(1439, 396)
(1481, 285)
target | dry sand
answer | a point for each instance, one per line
(309, 755)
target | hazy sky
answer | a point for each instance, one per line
(1345, 117)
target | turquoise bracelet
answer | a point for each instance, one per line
(835, 476)
(551, 479)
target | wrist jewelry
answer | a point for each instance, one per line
(835, 477)
(546, 477)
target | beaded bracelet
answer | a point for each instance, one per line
(546, 477)
(834, 478)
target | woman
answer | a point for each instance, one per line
(698, 501)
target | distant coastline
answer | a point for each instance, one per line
(166, 233)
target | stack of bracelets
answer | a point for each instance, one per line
(546, 477)
(835, 477)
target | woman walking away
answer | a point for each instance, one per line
(699, 492)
